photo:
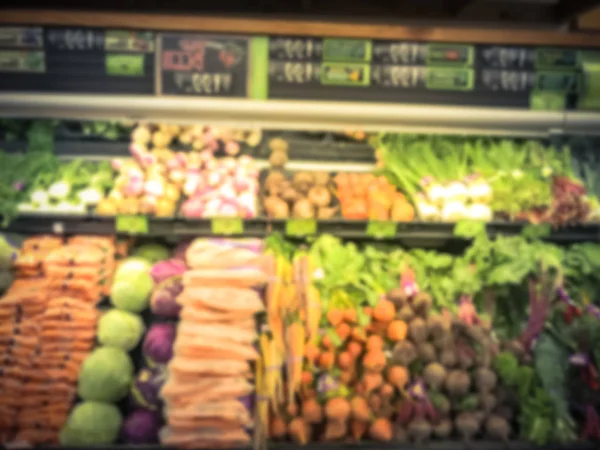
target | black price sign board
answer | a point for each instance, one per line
(199, 65)
(80, 60)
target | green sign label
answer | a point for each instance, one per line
(449, 79)
(227, 225)
(556, 58)
(345, 74)
(131, 224)
(125, 65)
(450, 55)
(348, 50)
(380, 229)
(557, 81)
(301, 227)
(547, 101)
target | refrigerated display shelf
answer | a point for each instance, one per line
(293, 228)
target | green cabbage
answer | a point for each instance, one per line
(120, 329)
(131, 267)
(132, 294)
(91, 423)
(151, 252)
(106, 375)
(7, 253)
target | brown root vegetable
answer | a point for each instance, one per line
(381, 430)
(476, 333)
(276, 208)
(398, 297)
(299, 431)
(400, 434)
(273, 182)
(322, 178)
(465, 360)
(422, 304)
(360, 409)
(435, 375)
(278, 145)
(419, 430)
(497, 428)
(277, 428)
(358, 428)
(458, 383)
(417, 330)
(303, 181)
(448, 358)
(319, 196)
(327, 212)
(335, 430)
(303, 209)
(443, 429)
(484, 357)
(312, 412)
(467, 425)
(406, 313)
(438, 325)
(278, 159)
(404, 353)
(485, 380)
(337, 409)
(289, 194)
(427, 352)
(487, 402)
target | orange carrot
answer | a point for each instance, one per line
(386, 390)
(384, 311)
(343, 331)
(335, 430)
(397, 330)
(326, 342)
(307, 378)
(398, 376)
(344, 360)
(311, 352)
(374, 361)
(312, 412)
(337, 409)
(335, 316)
(299, 431)
(360, 409)
(277, 428)
(354, 349)
(358, 428)
(381, 430)
(374, 342)
(295, 338)
(347, 376)
(372, 381)
(368, 311)
(359, 334)
(327, 360)
(350, 316)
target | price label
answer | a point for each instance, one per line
(406, 53)
(347, 50)
(301, 227)
(508, 80)
(125, 65)
(58, 228)
(76, 39)
(204, 65)
(547, 101)
(345, 74)
(450, 55)
(404, 77)
(381, 229)
(131, 224)
(227, 226)
(449, 79)
(500, 57)
(555, 58)
(297, 49)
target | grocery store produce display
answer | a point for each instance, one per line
(232, 343)
(202, 171)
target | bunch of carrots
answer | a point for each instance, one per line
(347, 385)
(366, 196)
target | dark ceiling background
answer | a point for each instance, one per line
(542, 14)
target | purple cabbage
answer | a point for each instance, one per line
(146, 388)
(141, 427)
(164, 298)
(167, 269)
(158, 343)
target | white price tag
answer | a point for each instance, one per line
(58, 228)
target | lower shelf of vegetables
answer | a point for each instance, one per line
(224, 343)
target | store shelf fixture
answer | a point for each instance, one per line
(300, 115)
